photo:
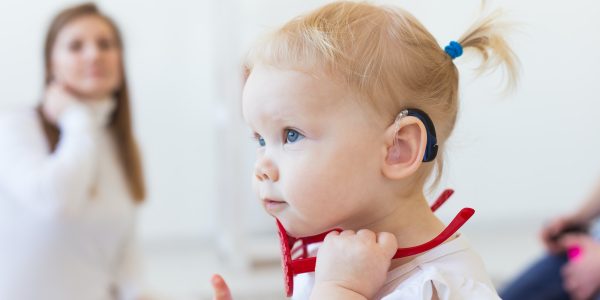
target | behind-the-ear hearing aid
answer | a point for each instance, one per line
(431, 149)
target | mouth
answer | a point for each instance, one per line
(273, 206)
(96, 73)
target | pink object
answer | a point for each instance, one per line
(574, 253)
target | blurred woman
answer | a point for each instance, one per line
(70, 172)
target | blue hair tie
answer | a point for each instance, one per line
(454, 49)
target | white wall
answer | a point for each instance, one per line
(519, 158)
(168, 57)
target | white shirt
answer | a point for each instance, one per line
(455, 270)
(66, 218)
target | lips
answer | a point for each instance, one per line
(271, 205)
(96, 74)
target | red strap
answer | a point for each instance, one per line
(305, 241)
(442, 199)
(458, 221)
(317, 238)
(305, 265)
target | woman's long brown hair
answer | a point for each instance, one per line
(120, 124)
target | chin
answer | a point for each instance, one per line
(97, 92)
(98, 86)
(299, 229)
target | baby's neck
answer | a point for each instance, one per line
(411, 221)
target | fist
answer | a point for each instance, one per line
(56, 100)
(355, 261)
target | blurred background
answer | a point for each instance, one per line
(517, 158)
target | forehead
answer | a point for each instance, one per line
(276, 93)
(82, 26)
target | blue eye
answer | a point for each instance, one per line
(292, 136)
(261, 140)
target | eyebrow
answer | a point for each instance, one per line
(276, 121)
(280, 114)
(279, 118)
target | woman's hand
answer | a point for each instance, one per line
(582, 273)
(353, 265)
(550, 233)
(57, 99)
(220, 287)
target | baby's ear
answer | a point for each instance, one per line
(404, 147)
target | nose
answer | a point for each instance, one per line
(93, 52)
(265, 169)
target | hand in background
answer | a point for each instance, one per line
(57, 99)
(550, 234)
(582, 273)
(220, 287)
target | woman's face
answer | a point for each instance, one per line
(86, 58)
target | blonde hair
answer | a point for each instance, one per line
(385, 55)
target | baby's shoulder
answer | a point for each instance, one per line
(447, 285)
(454, 271)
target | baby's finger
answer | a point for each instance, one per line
(347, 233)
(220, 287)
(388, 243)
(367, 235)
(331, 235)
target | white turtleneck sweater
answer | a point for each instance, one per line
(66, 218)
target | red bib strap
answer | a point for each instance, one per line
(306, 265)
(461, 218)
(447, 193)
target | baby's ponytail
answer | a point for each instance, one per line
(487, 37)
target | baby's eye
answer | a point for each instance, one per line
(292, 136)
(260, 140)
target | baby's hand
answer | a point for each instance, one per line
(353, 264)
(220, 287)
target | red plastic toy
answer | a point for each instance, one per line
(305, 264)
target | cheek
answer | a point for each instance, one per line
(303, 185)
(114, 70)
(329, 186)
(349, 168)
(65, 66)
(113, 62)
